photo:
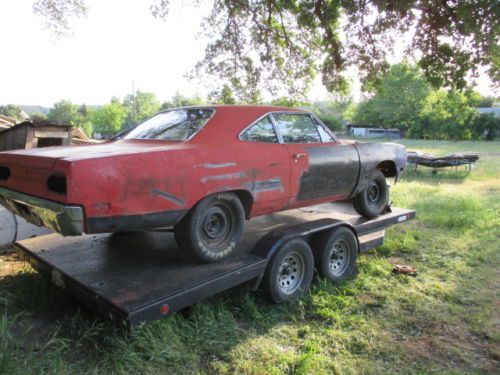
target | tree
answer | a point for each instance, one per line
(179, 100)
(63, 112)
(285, 101)
(445, 115)
(146, 104)
(486, 125)
(283, 44)
(108, 119)
(222, 96)
(333, 112)
(11, 110)
(399, 98)
(38, 117)
(56, 13)
(84, 120)
(478, 101)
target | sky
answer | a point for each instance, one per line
(119, 42)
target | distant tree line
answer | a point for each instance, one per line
(402, 99)
(405, 100)
(107, 119)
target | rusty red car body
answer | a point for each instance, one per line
(130, 184)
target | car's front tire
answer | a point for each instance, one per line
(211, 230)
(372, 201)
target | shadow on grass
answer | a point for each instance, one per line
(45, 330)
(436, 176)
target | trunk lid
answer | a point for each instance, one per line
(45, 158)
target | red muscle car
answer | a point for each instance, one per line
(201, 170)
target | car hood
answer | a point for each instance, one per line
(45, 158)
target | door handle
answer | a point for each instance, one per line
(298, 156)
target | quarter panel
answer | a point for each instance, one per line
(372, 154)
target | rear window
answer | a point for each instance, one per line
(175, 125)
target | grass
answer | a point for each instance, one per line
(445, 320)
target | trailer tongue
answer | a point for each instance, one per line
(139, 277)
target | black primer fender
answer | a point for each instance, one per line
(372, 154)
(272, 242)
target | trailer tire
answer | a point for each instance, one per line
(289, 272)
(211, 230)
(372, 201)
(335, 254)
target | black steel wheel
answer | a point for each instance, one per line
(212, 229)
(372, 201)
(289, 272)
(335, 254)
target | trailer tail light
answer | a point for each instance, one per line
(164, 309)
(4, 173)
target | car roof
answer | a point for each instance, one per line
(242, 108)
(229, 120)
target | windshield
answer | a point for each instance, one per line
(175, 125)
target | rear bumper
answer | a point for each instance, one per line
(67, 220)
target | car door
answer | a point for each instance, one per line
(268, 166)
(321, 168)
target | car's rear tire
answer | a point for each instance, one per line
(211, 230)
(335, 254)
(372, 201)
(289, 272)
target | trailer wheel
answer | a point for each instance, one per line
(372, 200)
(335, 254)
(289, 272)
(212, 229)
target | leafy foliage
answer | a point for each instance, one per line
(486, 125)
(10, 110)
(282, 45)
(63, 112)
(108, 119)
(478, 101)
(179, 100)
(38, 116)
(333, 112)
(445, 115)
(144, 105)
(56, 13)
(222, 96)
(404, 100)
(398, 100)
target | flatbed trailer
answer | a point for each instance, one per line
(142, 276)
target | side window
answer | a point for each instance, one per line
(325, 136)
(296, 128)
(262, 131)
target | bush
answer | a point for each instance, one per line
(333, 122)
(486, 125)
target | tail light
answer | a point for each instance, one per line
(4, 173)
(57, 184)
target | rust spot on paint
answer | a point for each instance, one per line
(219, 165)
(167, 196)
(228, 176)
(266, 185)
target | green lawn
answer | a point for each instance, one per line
(445, 320)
